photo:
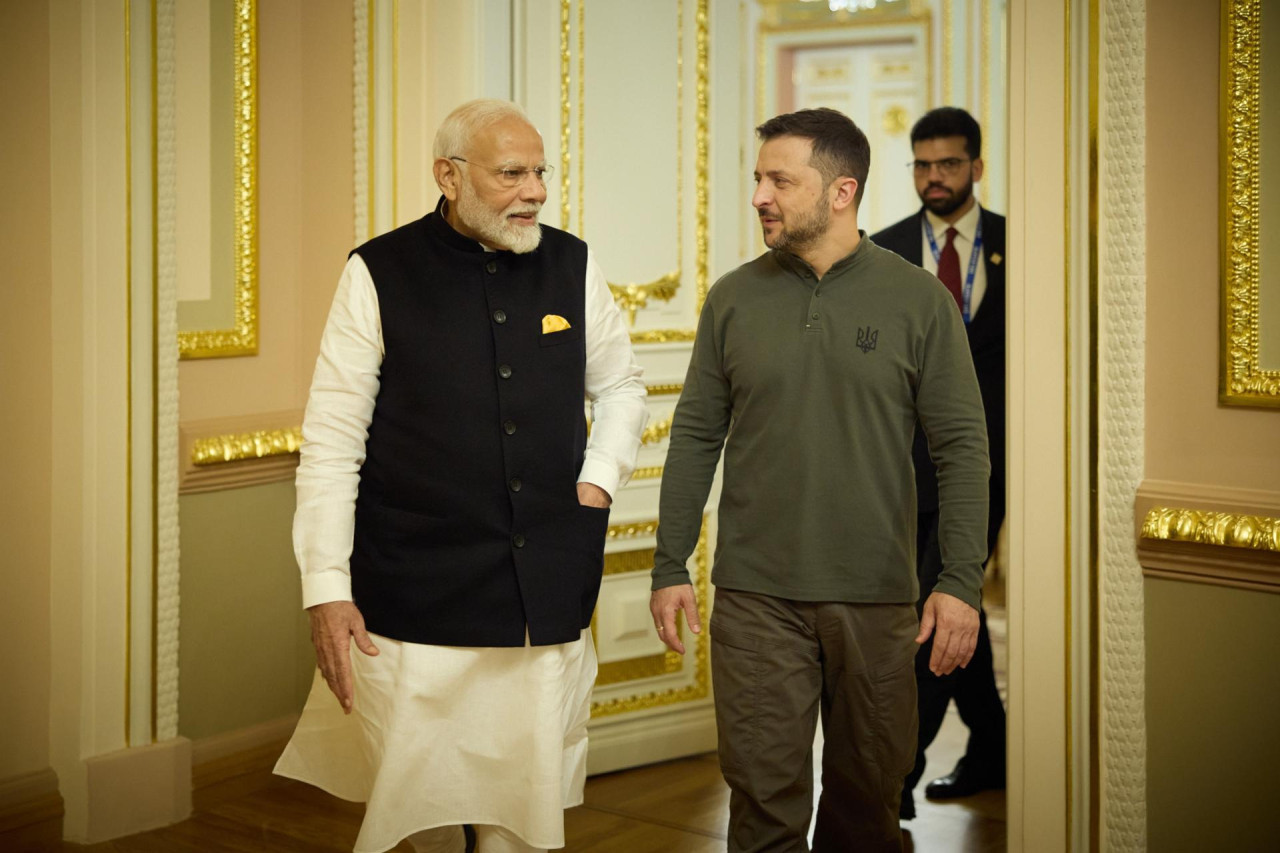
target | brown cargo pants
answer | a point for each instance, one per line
(774, 664)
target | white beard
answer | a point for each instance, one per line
(494, 228)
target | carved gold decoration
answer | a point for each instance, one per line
(646, 666)
(1224, 529)
(663, 336)
(700, 687)
(895, 120)
(248, 445)
(657, 431)
(947, 37)
(635, 530)
(649, 666)
(1243, 381)
(700, 162)
(652, 472)
(632, 297)
(664, 390)
(984, 76)
(564, 115)
(622, 562)
(242, 339)
(582, 112)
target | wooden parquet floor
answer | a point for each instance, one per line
(675, 807)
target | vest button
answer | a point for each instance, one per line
(509, 427)
(492, 266)
(515, 484)
(504, 370)
(499, 316)
(815, 316)
(517, 541)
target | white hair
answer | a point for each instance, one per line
(460, 126)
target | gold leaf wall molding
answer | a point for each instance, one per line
(657, 431)
(632, 297)
(1206, 527)
(700, 687)
(235, 452)
(242, 338)
(663, 336)
(1243, 381)
(258, 444)
(634, 530)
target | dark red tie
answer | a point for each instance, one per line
(949, 268)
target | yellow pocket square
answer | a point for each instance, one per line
(554, 323)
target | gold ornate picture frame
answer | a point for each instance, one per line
(1244, 379)
(242, 337)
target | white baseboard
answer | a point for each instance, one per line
(626, 741)
(140, 788)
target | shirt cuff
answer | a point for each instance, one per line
(323, 587)
(600, 474)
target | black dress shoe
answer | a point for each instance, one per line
(965, 781)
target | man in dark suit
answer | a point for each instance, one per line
(953, 237)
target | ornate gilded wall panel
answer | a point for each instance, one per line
(209, 94)
(1250, 288)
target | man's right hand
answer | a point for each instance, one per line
(333, 624)
(664, 603)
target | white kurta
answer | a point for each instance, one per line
(444, 735)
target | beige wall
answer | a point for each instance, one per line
(245, 656)
(25, 386)
(304, 210)
(246, 653)
(1212, 741)
(1189, 437)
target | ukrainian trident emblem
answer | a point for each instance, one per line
(867, 338)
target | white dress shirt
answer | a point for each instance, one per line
(966, 229)
(344, 391)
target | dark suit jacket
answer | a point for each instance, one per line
(986, 343)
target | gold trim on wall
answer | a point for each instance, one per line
(664, 390)
(645, 666)
(564, 115)
(634, 296)
(701, 685)
(948, 33)
(657, 431)
(652, 472)
(663, 336)
(238, 447)
(1206, 527)
(242, 339)
(633, 530)
(1243, 381)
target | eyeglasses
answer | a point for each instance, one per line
(948, 166)
(511, 176)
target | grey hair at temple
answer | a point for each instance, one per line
(456, 131)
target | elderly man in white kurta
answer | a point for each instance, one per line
(452, 511)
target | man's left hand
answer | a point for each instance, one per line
(589, 494)
(957, 632)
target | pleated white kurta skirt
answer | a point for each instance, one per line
(442, 735)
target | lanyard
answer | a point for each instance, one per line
(973, 261)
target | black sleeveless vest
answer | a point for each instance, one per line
(468, 526)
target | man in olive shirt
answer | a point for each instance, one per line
(811, 367)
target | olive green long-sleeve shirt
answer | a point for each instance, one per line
(812, 388)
